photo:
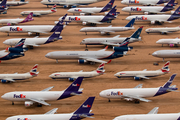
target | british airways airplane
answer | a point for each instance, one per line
(82, 112)
(138, 93)
(157, 18)
(31, 97)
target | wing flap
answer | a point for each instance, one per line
(52, 111)
(136, 97)
(39, 101)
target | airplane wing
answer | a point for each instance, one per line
(92, 21)
(47, 89)
(107, 31)
(94, 60)
(117, 36)
(75, 77)
(107, 43)
(9, 79)
(52, 111)
(37, 14)
(35, 31)
(30, 44)
(154, 110)
(139, 86)
(140, 76)
(136, 97)
(39, 101)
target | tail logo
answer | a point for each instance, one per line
(16, 29)
(76, 85)
(86, 106)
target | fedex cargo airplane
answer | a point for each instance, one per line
(32, 97)
(150, 9)
(93, 10)
(82, 112)
(68, 3)
(144, 74)
(96, 19)
(17, 21)
(92, 56)
(157, 18)
(143, 2)
(152, 115)
(171, 42)
(7, 78)
(41, 12)
(138, 93)
(74, 75)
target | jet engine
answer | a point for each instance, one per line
(103, 33)
(5, 12)
(28, 103)
(153, 22)
(171, 45)
(84, 23)
(15, 50)
(82, 14)
(122, 48)
(73, 6)
(4, 81)
(81, 61)
(65, 6)
(172, 12)
(146, 13)
(71, 79)
(105, 13)
(137, 78)
(128, 99)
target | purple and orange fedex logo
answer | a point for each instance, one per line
(136, 9)
(116, 93)
(23, 119)
(74, 19)
(16, 29)
(19, 96)
(141, 18)
(78, 10)
(133, 1)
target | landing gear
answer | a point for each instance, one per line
(86, 33)
(39, 105)
(92, 63)
(31, 47)
(12, 103)
(86, 49)
(136, 102)
(37, 34)
(7, 34)
(109, 100)
(56, 60)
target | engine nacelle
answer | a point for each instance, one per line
(73, 6)
(4, 81)
(109, 21)
(71, 79)
(5, 12)
(146, 13)
(105, 13)
(171, 45)
(65, 6)
(84, 23)
(82, 14)
(137, 78)
(172, 12)
(153, 22)
(9, 24)
(122, 48)
(128, 99)
(28, 103)
(81, 61)
(15, 50)
(103, 33)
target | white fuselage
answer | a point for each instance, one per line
(161, 30)
(25, 29)
(16, 76)
(167, 53)
(140, 2)
(169, 116)
(6, 21)
(139, 73)
(73, 74)
(168, 41)
(85, 10)
(118, 93)
(16, 3)
(101, 29)
(41, 12)
(42, 117)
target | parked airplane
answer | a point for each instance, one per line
(91, 56)
(31, 97)
(41, 12)
(74, 75)
(82, 112)
(149, 9)
(68, 3)
(113, 40)
(13, 52)
(144, 74)
(32, 28)
(6, 78)
(170, 42)
(93, 10)
(16, 21)
(3, 7)
(152, 115)
(138, 93)
(163, 30)
(143, 2)
(31, 42)
(109, 29)
(157, 18)
(167, 54)
(98, 19)
(16, 3)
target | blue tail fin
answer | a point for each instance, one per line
(85, 107)
(108, 6)
(20, 43)
(169, 82)
(171, 3)
(3, 3)
(137, 33)
(131, 23)
(112, 12)
(177, 11)
(75, 85)
(22, 0)
(125, 42)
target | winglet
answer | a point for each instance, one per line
(106, 47)
(109, 61)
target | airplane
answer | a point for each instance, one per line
(157, 18)
(163, 30)
(113, 40)
(93, 10)
(68, 3)
(8, 78)
(170, 42)
(32, 28)
(16, 21)
(3, 7)
(84, 111)
(31, 97)
(138, 93)
(92, 56)
(152, 115)
(13, 52)
(93, 20)
(144, 74)
(143, 2)
(41, 12)
(16, 3)
(109, 29)
(74, 75)
(150, 9)
(31, 42)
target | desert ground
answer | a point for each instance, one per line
(139, 58)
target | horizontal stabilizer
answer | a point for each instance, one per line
(47, 89)
(154, 110)
(52, 111)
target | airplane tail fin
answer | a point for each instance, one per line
(108, 6)
(28, 18)
(124, 43)
(131, 23)
(165, 68)
(85, 109)
(33, 71)
(171, 3)
(137, 33)
(3, 4)
(112, 13)
(22, 0)
(20, 43)
(177, 11)
(53, 9)
(100, 69)
(169, 82)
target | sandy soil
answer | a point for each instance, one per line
(138, 59)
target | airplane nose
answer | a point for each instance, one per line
(70, 10)
(158, 42)
(129, 18)
(123, 2)
(124, 9)
(6, 42)
(155, 54)
(48, 55)
(82, 30)
(101, 94)
(3, 96)
(51, 76)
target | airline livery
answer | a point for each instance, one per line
(171, 42)
(31, 97)
(143, 2)
(163, 30)
(16, 3)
